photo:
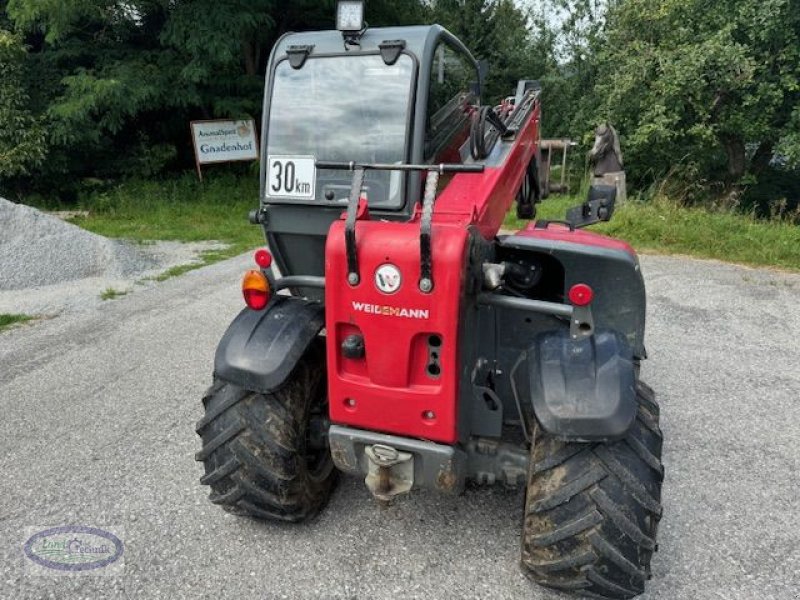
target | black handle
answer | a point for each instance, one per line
(441, 168)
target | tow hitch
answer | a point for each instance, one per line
(390, 472)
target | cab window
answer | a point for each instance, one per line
(339, 108)
(453, 81)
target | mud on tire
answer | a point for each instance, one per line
(262, 452)
(592, 510)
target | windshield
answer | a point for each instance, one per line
(344, 108)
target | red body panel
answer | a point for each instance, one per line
(562, 233)
(485, 198)
(390, 389)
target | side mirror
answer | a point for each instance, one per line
(598, 207)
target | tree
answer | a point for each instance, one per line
(500, 33)
(570, 34)
(21, 133)
(117, 82)
(712, 90)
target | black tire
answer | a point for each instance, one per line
(592, 510)
(529, 193)
(544, 190)
(256, 451)
(542, 183)
(536, 182)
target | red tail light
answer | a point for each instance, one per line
(255, 289)
(581, 294)
(263, 258)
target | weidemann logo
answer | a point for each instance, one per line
(391, 311)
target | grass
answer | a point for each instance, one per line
(186, 210)
(207, 257)
(8, 320)
(182, 210)
(110, 293)
(662, 226)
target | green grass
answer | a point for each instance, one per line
(110, 294)
(7, 320)
(664, 227)
(180, 209)
(185, 210)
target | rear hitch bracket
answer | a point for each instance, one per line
(390, 472)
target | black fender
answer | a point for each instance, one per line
(583, 389)
(261, 348)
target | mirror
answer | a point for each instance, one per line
(598, 207)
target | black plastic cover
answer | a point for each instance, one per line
(583, 389)
(261, 348)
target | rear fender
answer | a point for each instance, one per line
(583, 389)
(609, 266)
(260, 349)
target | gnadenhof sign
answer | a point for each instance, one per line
(224, 141)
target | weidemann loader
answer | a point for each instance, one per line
(414, 346)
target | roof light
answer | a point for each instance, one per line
(255, 289)
(263, 258)
(350, 16)
(581, 294)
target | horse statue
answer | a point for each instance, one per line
(605, 158)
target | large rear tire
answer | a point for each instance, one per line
(266, 455)
(592, 510)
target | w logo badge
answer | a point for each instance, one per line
(388, 279)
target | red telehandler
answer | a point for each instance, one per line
(415, 346)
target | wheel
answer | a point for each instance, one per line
(543, 183)
(266, 455)
(528, 195)
(592, 510)
(536, 182)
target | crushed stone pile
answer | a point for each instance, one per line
(37, 249)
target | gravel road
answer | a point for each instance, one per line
(98, 411)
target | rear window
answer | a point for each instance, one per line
(344, 108)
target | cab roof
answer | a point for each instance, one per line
(419, 40)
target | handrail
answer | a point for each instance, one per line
(299, 281)
(541, 306)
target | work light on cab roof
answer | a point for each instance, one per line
(350, 16)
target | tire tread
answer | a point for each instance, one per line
(592, 510)
(253, 448)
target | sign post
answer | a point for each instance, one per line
(223, 141)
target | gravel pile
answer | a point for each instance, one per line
(38, 249)
(49, 266)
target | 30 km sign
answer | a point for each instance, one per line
(291, 177)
